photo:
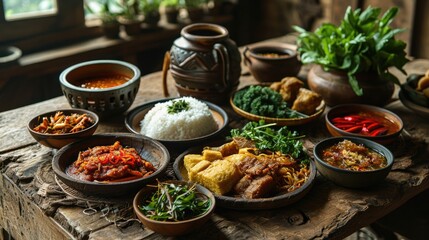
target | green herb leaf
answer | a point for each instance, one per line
(178, 106)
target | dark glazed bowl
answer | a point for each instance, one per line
(420, 110)
(173, 228)
(136, 115)
(409, 89)
(149, 149)
(107, 101)
(60, 140)
(349, 109)
(348, 178)
(272, 68)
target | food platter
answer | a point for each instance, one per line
(149, 149)
(136, 115)
(247, 204)
(279, 121)
(420, 110)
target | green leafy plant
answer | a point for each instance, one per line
(171, 3)
(148, 6)
(130, 10)
(361, 43)
(105, 10)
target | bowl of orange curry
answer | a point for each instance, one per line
(105, 87)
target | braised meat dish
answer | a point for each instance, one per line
(113, 163)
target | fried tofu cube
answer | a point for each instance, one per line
(197, 168)
(307, 101)
(220, 176)
(211, 155)
(191, 160)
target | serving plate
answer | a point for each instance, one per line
(420, 110)
(149, 149)
(278, 121)
(247, 204)
(136, 115)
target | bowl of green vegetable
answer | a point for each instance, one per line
(174, 208)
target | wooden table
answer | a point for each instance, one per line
(33, 206)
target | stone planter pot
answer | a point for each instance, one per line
(334, 87)
(111, 30)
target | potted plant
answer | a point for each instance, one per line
(130, 17)
(195, 9)
(109, 18)
(353, 60)
(150, 10)
(171, 10)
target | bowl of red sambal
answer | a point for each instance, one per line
(366, 121)
(353, 162)
(110, 165)
(105, 87)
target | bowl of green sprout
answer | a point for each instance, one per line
(174, 207)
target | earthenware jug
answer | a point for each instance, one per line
(204, 62)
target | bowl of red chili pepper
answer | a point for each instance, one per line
(353, 162)
(365, 121)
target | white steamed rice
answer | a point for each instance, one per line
(197, 121)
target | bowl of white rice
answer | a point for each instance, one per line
(177, 122)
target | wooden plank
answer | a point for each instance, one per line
(21, 217)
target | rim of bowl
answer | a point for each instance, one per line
(136, 77)
(93, 115)
(207, 193)
(364, 106)
(12, 52)
(136, 110)
(279, 48)
(386, 153)
(58, 171)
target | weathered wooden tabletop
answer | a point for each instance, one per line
(32, 206)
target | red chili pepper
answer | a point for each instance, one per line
(353, 118)
(354, 129)
(379, 132)
(339, 120)
(368, 121)
(374, 126)
(344, 125)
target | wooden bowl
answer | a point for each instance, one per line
(168, 228)
(349, 178)
(280, 121)
(59, 140)
(136, 115)
(149, 149)
(392, 121)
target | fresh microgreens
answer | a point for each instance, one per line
(266, 137)
(178, 106)
(175, 202)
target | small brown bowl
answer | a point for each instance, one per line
(59, 140)
(168, 228)
(350, 178)
(387, 118)
(270, 62)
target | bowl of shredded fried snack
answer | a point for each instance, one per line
(58, 128)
